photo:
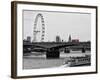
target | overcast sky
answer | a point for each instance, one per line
(78, 25)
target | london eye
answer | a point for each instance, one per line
(39, 28)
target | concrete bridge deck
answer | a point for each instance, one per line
(53, 48)
(55, 44)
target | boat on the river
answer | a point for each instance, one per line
(78, 61)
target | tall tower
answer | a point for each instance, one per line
(69, 39)
(28, 38)
(58, 39)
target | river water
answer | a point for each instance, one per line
(33, 61)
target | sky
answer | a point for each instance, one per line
(62, 24)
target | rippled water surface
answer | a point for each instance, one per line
(33, 61)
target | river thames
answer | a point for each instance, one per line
(34, 61)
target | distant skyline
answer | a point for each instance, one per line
(62, 24)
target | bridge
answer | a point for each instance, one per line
(52, 49)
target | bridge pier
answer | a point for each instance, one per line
(50, 54)
(67, 50)
(83, 50)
